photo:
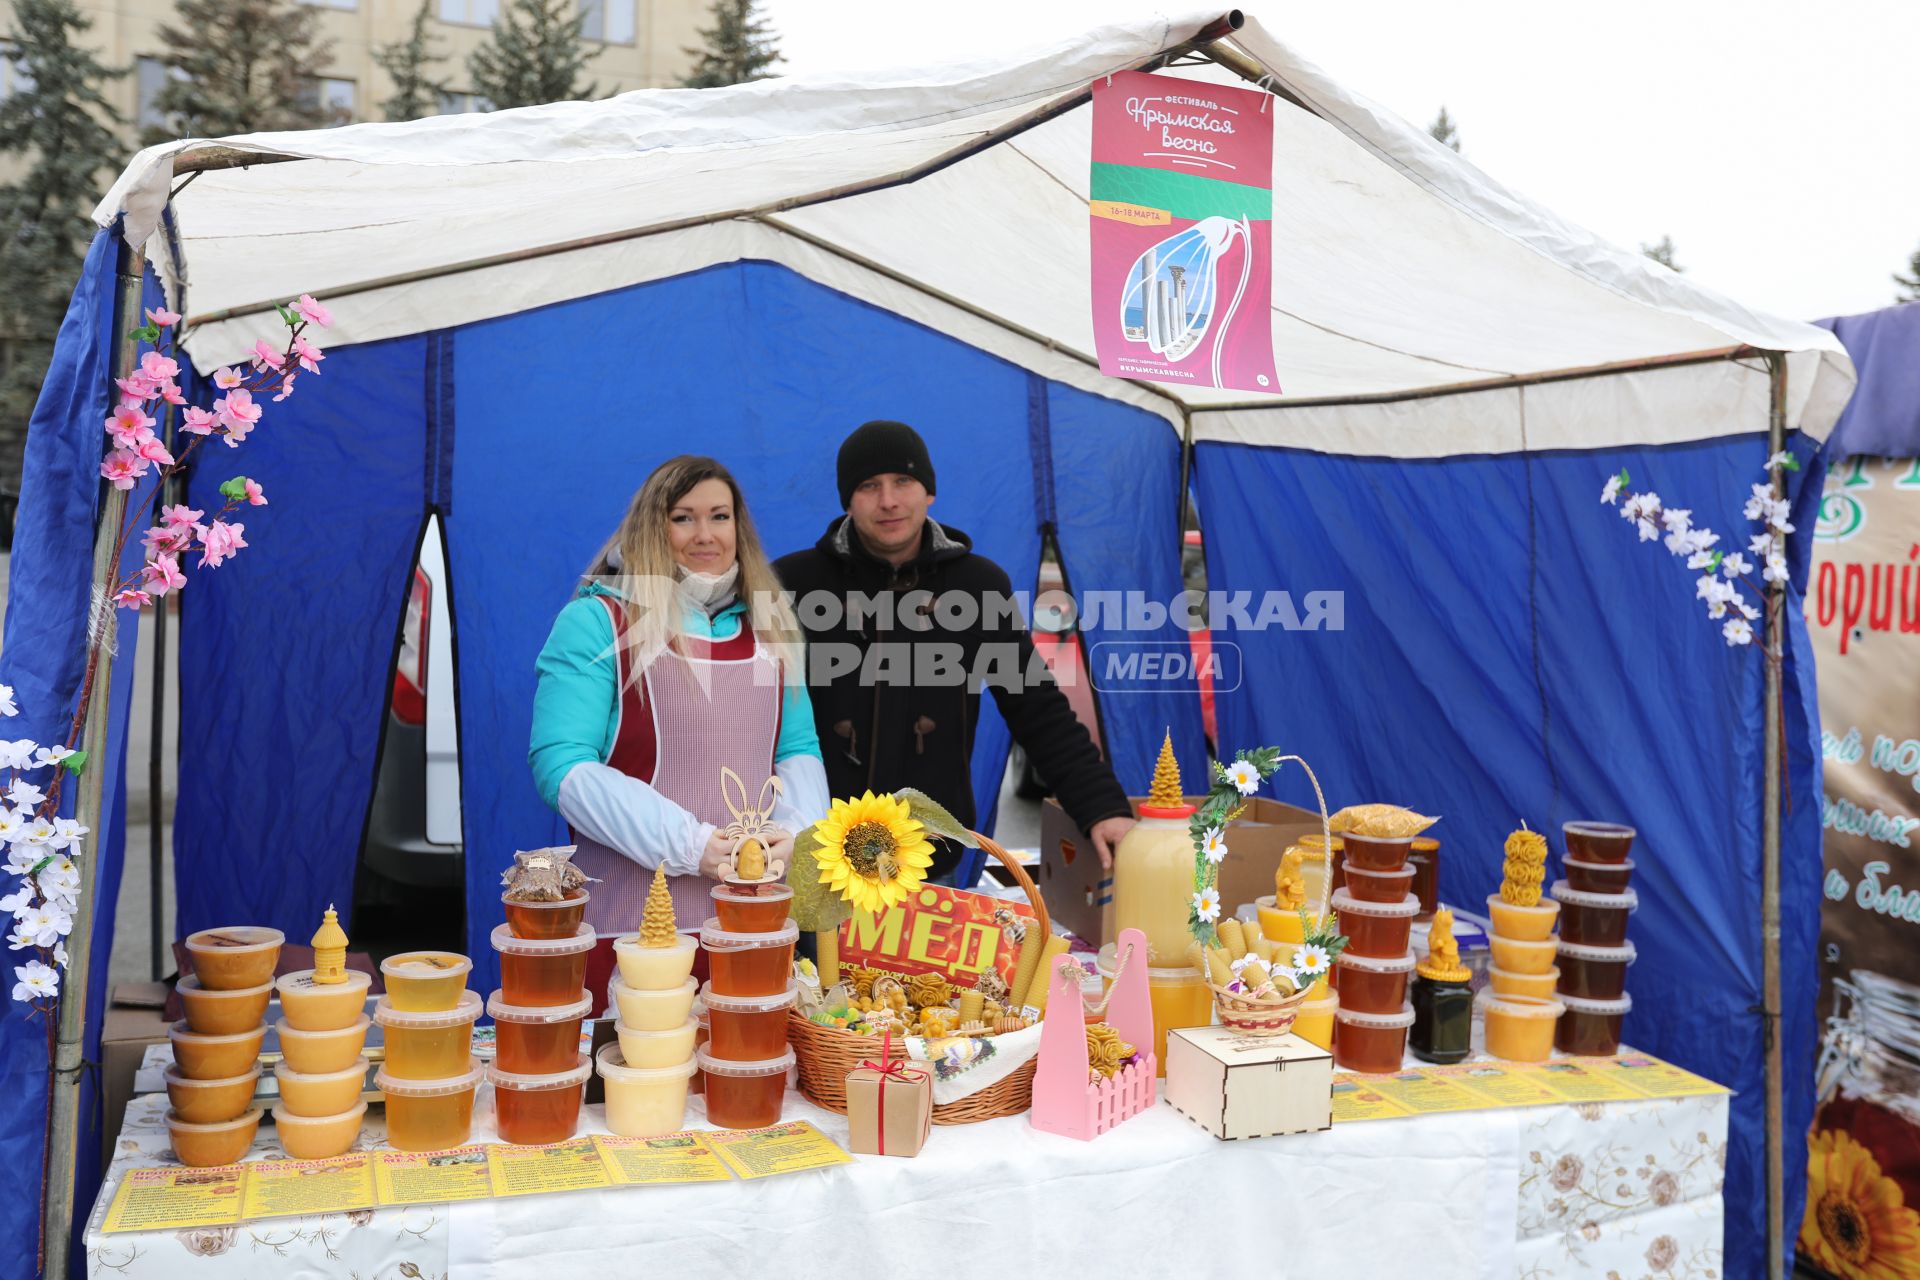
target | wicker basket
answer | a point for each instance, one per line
(1262, 1016)
(827, 1054)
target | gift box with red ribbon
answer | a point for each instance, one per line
(889, 1105)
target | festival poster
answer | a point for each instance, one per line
(1863, 614)
(951, 932)
(1181, 205)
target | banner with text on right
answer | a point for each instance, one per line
(1863, 612)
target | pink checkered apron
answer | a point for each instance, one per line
(698, 706)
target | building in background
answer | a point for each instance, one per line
(640, 44)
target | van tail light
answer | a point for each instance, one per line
(410, 672)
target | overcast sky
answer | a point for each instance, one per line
(1777, 143)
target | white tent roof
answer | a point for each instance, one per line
(1419, 307)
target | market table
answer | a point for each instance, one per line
(1554, 1191)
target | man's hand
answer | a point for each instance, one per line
(713, 863)
(1107, 834)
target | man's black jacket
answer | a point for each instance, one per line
(881, 728)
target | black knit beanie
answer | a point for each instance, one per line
(882, 448)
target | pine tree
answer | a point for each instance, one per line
(60, 125)
(740, 46)
(1444, 131)
(240, 66)
(405, 61)
(1910, 282)
(535, 55)
(1662, 253)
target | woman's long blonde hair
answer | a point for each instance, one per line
(637, 562)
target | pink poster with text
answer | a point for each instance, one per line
(1182, 232)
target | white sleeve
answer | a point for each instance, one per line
(803, 799)
(630, 817)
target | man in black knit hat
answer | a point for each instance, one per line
(905, 624)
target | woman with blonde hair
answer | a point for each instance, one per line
(678, 655)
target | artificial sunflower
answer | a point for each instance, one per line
(1857, 1225)
(872, 851)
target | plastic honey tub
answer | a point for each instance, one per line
(1595, 973)
(1380, 886)
(1598, 841)
(1178, 997)
(1520, 1028)
(761, 912)
(653, 1010)
(1378, 929)
(651, 1050)
(1594, 919)
(749, 964)
(425, 981)
(429, 1115)
(1314, 1021)
(326, 1093)
(644, 1102)
(1370, 1043)
(234, 957)
(745, 1095)
(319, 1052)
(213, 1012)
(542, 971)
(1540, 986)
(540, 1040)
(1522, 924)
(322, 1006)
(317, 1137)
(532, 1111)
(1522, 957)
(654, 968)
(428, 1046)
(1370, 985)
(215, 1057)
(1598, 877)
(205, 1145)
(747, 1028)
(542, 920)
(1375, 853)
(1591, 1026)
(210, 1101)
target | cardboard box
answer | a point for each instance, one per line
(1079, 893)
(136, 1018)
(1241, 1086)
(891, 1115)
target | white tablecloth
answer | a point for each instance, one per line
(1537, 1193)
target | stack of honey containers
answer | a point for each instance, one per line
(1376, 906)
(1520, 1010)
(1594, 953)
(749, 945)
(648, 1072)
(216, 1050)
(322, 1031)
(539, 1074)
(429, 1077)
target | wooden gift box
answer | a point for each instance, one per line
(1241, 1086)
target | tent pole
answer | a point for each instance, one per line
(69, 1053)
(1186, 472)
(1770, 856)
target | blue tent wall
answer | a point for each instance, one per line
(561, 413)
(1512, 652)
(43, 659)
(1115, 474)
(285, 650)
